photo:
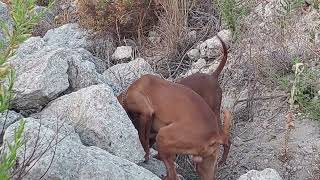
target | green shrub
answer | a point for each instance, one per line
(306, 95)
(24, 19)
(9, 160)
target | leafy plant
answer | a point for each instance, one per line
(9, 160)
(24, 19)
(303, 90)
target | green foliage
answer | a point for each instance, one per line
(24, 19)
(6, 90)
(9, 160)
(306, 93)
(231, 11)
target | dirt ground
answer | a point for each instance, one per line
(260, 143)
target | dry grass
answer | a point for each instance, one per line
(176, 22)
(126, 19)
(171, 21)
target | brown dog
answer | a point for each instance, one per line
(208, 87)
(183, 121)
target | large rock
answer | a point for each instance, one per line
(68, 36)
(68, 158)
(73, 37)
(99, 119)
(5, 17)
(120, 76)
(43, 76)
(82, 70)
(194, 54)
(266, 174)
(40, 78)
(155, 166)
(47, 68)
(6, 119)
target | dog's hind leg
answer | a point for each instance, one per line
(165, 154)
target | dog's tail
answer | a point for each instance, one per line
(226, 136)
(217, 72)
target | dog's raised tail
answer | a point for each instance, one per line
(217, 72)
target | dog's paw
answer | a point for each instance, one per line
(146, 158)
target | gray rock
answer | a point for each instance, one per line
(226, 36)
(69, 159)
(73, 37)
(44, 72)
(7, 118)
(155, 166)
(39, 78)
(194, 54)
(82, 70)
(211, 47)
(154, 37)
(68, 36)
(99, 119)
(266, 174)
(5, 17)
(120, 76)
(100, 65)
(122, 53)
(199, 64)
(29, 47)
(196, 67)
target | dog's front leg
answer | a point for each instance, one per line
(146, 120)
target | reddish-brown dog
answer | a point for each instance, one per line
(208, 87)
(183, 121)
